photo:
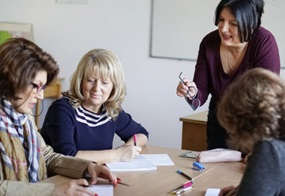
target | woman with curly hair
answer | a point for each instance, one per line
(252, 110)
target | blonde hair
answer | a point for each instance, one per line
(104, 64)
(252, 109)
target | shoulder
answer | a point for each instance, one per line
(210, 42)
(124, 114)
(60, 106)
(212, 37)
(263, 34)
(271, 153)
(61, 102)
(272, 148)
(125, 118)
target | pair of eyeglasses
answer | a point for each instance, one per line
(189, 87)
(38, 87)
(194, 103)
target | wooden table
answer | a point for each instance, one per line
(194, 131)
(52, 91)
(165, 178)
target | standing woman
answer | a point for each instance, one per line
(85, 120)
(239, 44)
(25, 71)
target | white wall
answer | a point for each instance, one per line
(68, 31)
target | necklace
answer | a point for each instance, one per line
(239, 58)
(229, 63)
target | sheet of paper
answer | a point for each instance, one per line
(158, 159)
(212, 192)
(138, 164)
(102, 190)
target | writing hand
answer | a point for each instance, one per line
(128, 152)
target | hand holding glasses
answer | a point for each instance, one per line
(194, 102)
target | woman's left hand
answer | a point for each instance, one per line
(228, 191)
(101, 171)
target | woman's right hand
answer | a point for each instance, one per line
(183, 90)
(228, 191)
(127, 152)
(73, 187)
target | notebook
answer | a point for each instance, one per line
(102, 190)
(158, 159)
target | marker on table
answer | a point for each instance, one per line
(135, 139)
(183, 174)
(185, 185)
(179, 191)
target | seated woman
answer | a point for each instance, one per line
(25, 71)
(85, 120)
(252, 110)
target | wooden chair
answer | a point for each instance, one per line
(52, 91)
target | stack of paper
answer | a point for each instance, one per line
(142, 163)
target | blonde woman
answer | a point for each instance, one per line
(85, 120)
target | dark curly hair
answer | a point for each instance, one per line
(20, 61)
(252, 109)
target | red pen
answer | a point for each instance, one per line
(135, 139)
(119, 181)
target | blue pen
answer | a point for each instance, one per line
(183, 174)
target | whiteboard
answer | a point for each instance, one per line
(178, 26)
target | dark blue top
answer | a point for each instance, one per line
(69, 130)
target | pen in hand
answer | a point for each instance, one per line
(135, 139)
